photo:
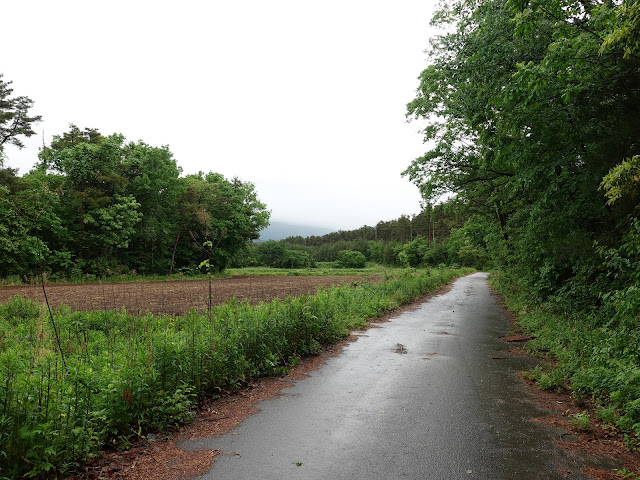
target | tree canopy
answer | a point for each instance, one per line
(529, 105)
(99, 205)
(15, 121)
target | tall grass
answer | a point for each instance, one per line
(127, 375)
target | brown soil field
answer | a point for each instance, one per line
(176, 297)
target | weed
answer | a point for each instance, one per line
(596, 351)
(581, 421)
(626, 474)
(608, 415)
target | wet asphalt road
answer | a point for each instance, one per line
(422, 397)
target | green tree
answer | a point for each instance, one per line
(296, 259)
(152, 176)
(622, 180)
(271, 253)
(351, 259)
(413, 252)
(374, 251)
(18, 246)
(15, 121)
(526, 115)
(227, 213)
(99, 215)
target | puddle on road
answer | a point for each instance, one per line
(400, 348)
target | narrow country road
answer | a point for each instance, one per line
(421, 397)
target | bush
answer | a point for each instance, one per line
(270, 254)
(296, 259)
(351, 259)
(274, 254)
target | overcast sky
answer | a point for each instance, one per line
(306, 99)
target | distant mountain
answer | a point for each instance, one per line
(280, 230)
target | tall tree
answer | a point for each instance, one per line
(526, 114)
(15, 121)
(152, 176)
(18, 247)
(226, 213)
(99, 214)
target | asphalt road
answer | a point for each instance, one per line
(421, 397)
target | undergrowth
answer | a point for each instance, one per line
(595, 351)
(116, 376)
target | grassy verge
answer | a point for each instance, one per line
(102, 378)
(594, 353)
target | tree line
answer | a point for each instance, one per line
(436, 236)
(98, 205)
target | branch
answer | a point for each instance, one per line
(576, 24)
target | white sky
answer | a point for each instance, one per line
(306, 99)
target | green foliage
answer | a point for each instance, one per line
(228, 213)
(596, 350)
(626, 474)
(510, 97)
(350, 259)
(625, 34)
(16, 245)
(100, 206)
(128, 375)
(153, 180)
(296, 259)
(271, 253)
(581, 421)
(407, 241)
(320, 269)
(623, 179)
(274, 254)
(15, 121)
(531, 115)
(18, 309)
(553, 380)
(412, 254)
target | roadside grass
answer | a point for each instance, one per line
(594, 353)
(98, 379)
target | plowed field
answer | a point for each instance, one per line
(175, 297)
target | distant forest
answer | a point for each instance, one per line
(433, 237)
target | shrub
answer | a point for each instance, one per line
(350, 259)
(296, 259)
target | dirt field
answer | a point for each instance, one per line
(175, 297)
